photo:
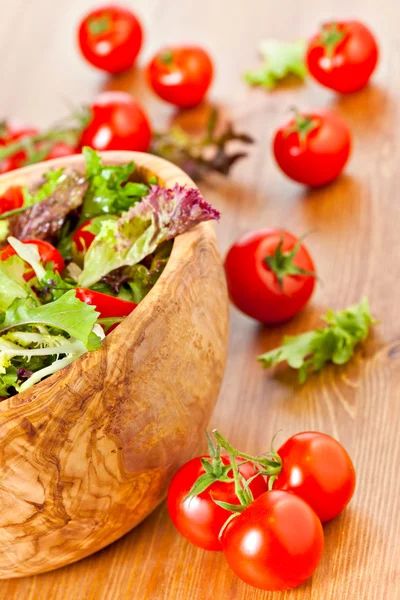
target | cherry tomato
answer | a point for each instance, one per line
(61, 149)
(13, 132)
(47, 253)
(85, 234)
(110, 38)
(181, 75)
(12, 199)
(118, 123)
(276, 543)
(198, 518)
(270, 275)
(313, 148)
(106, 305)
(342, 56)
(317, 468)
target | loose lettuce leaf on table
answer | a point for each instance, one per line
(310, 351)
(161, 215)
(280, 60)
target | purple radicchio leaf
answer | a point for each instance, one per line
(23, 374)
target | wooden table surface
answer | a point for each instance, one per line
(356, 246)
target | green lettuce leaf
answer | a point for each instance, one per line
(310, 351)
(4, 230)
(12, 283)
(53, 179)
(109, 190)
(30, 254)
(8, 379)
(280, 60)
(66, 313)
(160, 216)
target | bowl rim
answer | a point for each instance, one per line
(168, 175)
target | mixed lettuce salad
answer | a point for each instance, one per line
(76, 256)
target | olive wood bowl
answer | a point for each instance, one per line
(88, 453)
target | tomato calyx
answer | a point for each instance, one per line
(166, 57)
(303, 125)
(330, 36)
(99, 25)
(215, 470)
(268, 465)
(282, 263)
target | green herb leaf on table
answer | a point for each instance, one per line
(202, 154)
(280, 60)
(310, 351)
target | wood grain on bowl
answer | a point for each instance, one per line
(86, 454)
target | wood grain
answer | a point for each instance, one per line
(88, 453)
(356, 247)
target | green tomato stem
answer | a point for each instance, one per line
(239, 491)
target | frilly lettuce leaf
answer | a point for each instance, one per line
(67, 313)
(310, 351)
(161, 215)
(12, 284)
(109, 190)
(280, 60)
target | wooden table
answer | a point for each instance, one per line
(356, 245)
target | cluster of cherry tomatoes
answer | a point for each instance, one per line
(313, 148)
(270, 273)
(264, 513)
(110, 38)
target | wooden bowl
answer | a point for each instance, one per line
(88, 453)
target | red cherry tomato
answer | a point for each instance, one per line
(61, 149)
(85, 234)
(276, 543)
(106, 305)
(14, 132)
(181, 75)
(342, 56)
(12, 199)
(110, 38)
(198, 518)
(313, 148)
(47, 253)
(269, 275)
(317, 468)
(118, 123)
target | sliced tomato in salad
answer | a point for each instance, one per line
(47, 253)
(107, 306)
(61, 149)
(12, 199)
